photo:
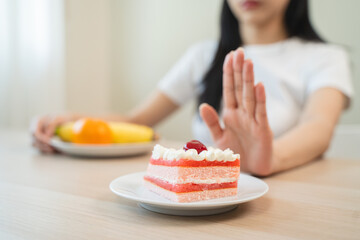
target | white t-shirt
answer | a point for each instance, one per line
(290, 70)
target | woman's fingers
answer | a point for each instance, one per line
(45, 148)
(228, 82)
(248, 101)
(238, 62)
(40, 128)
(50, 130)
(260, 109)
(211, 118)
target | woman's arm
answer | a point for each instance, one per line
(312, 135)
(152, 111)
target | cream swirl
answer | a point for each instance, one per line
(212, 154)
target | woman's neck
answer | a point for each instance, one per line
(271, 32)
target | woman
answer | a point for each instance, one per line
(306, 81)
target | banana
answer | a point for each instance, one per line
(122, 132)
(65, 131)
(130, 133)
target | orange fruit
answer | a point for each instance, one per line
(91, 131)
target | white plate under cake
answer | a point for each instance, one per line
(132, 187)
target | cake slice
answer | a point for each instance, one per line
(194, 173)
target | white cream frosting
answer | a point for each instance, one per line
(212, 154)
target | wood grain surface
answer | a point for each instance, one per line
(60, 197)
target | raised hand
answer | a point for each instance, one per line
(246, 129)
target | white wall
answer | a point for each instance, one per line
(88, 55)
(31, 60)
(150, 36)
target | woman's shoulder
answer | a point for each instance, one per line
(326, 65)
(205, 45)
(321, 49)
(203, 49)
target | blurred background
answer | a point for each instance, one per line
(106, 56)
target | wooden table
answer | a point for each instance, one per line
(59, 197)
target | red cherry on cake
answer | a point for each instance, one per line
(195, 144)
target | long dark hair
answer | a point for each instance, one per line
(297, 24)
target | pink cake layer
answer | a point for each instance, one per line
(189, 174)
(189, 187)
(191, 196)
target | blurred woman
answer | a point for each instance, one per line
(270, 89)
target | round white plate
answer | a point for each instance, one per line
(131, 187)
(111, 150)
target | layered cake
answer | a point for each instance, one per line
(193, 173)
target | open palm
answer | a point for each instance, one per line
(246, 128)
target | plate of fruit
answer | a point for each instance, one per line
(96, 138)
